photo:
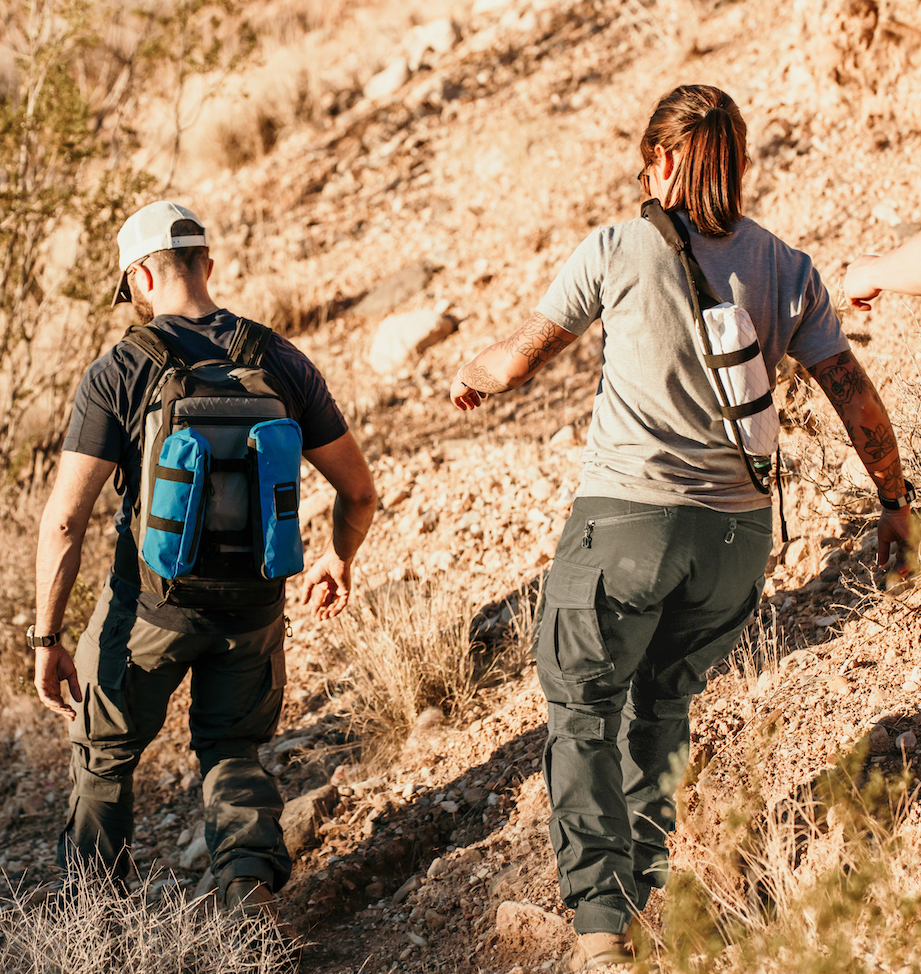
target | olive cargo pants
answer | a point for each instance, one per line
(640, 602)
(128, 670)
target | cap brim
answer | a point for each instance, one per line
(122, 292)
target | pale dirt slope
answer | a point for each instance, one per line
(492, 163)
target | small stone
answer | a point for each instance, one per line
(475, 796)
(562, 438)
(410, 886)
(292, 744)
(907, 742)
(198, 850)
(434, 920)
(450, 807)
(389, 81)
(417, 940)
(375, 890)
(879, 740)
(437, 867)
(396, 496)
(797, 552)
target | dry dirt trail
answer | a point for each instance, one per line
(479, 174)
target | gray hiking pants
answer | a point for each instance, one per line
(128, 670)
(640, 602)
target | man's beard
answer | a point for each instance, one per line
(142, 308)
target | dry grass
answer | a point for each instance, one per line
(824, 882)
(92, 929)
(415, 646)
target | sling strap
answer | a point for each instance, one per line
(703, 296)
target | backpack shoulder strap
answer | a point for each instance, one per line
(249, 342)
(159, 347)
(676, 235)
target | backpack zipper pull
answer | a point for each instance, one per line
(731, 533)
(587, 535)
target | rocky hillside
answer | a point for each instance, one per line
(453, 156)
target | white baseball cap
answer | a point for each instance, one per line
(150, 230)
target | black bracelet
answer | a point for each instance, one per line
(894, 503)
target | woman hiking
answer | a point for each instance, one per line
(661, 562)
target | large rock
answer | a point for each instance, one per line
(396, 289)
(389, 81)
(526, 926)
(303, 816)
(437, 35)
(402, 337)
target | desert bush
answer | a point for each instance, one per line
(91, 928)
(412, 646)
(825, 881)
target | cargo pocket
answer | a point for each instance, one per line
(570, 637)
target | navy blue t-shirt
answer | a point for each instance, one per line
(106, 423)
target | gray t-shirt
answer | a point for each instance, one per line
(656, 434)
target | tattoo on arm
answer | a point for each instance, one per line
(479, 378)
(843, 380)
(893, 481)
(879, 442)
(536, 340)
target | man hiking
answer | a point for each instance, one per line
(228, 627)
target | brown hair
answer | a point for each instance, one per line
(182, 261)
(705, 124)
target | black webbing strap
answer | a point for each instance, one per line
(160, 348)
(702, 296)
(171, 473)
(746, 409)
(738, 357)
(165, 524)
(249, 342)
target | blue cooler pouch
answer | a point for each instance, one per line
(174, 521)
(275, 453)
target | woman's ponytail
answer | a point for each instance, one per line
(706, 128)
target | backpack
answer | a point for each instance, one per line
(215, 521)
(732, 355)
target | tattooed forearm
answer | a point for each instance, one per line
(893, 483)
(479, 378)
(509, 363)
(843, 380)
(537, 340)
(878, 442)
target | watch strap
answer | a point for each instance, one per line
(894, 503)
(37, 642)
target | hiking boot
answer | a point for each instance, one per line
(250, 897)
(595, 950)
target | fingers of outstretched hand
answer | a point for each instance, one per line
(895, 534)
(464, 397)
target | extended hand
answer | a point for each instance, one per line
(52, 666)
(896, 530)
(329, 582)
(857, 287)
(464, 397)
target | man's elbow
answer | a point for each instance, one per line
(362, 498)
(61, 527)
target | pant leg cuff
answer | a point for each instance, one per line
(593, 917)
(251, 866)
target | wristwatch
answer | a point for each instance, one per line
(894, 503)
(41, 641)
